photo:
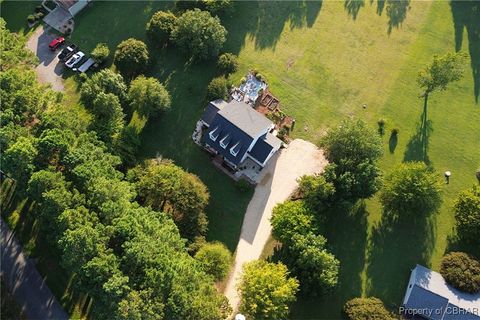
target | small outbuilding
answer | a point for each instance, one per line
(429, 296)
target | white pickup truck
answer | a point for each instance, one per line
(85, 66)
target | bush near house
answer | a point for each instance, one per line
(461, 271)
(217, 89)
(227, 63)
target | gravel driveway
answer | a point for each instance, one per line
(50, 69)
(277, 182)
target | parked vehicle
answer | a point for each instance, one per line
(85, 66)
(56, 43)
(67, 52)
(76, 58)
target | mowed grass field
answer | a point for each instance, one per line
(341, 66)
(328, 61)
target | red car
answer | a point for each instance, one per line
(57, 42)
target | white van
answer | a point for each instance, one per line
(85, 66)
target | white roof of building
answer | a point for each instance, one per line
(434, 282)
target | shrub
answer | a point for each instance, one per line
(227, 63)
(160, 26)
(39, 15)
(243, 185)
(260, 77)
(131, 57)
(31, 18)
(461, 271)
(366, 309)
(395, 131)
(215, 259)
(478, 174)
(381, 126)
(217, 89)
(199, 34)
(39, 9)
(100, 53)
(467, 215)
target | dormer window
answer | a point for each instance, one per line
(225, 140)
(235, 149)
(214, 134)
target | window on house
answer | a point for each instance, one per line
(235, 149)
(214, 134)
(224, 142)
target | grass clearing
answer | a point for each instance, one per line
(327, 71)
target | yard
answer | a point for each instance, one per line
(327, 61)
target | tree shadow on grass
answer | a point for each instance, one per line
(353, 7)
(396, 13)
(455, 243)
(417, 147)
(466, 15)
(264, 21)
(392, 142)
(346, 233)
(397, 244)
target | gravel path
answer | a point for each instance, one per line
(50, 69)
(25, 283)
(277, 183)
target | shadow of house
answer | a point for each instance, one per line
(396, 244)
(396, 13)
(466, 15)
(417, 147)
(345, 229)
(353, 7)
(264, 21)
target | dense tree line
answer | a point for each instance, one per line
(131, 260)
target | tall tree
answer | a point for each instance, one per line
(106, 81)
(160, 27)
(166, 187)
(148, 96)
(215, 259)
(199, 34)
(108, 119)
(411, 189)
(266, 290)
(311, 263)
(19, 160)
(131, 57)
(353, 148)
(440, 73)
(290, 218)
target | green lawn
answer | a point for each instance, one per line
(325, 71)
(325, 61)
(15, 13)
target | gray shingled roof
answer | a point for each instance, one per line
(245, 118)
(211, 110)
